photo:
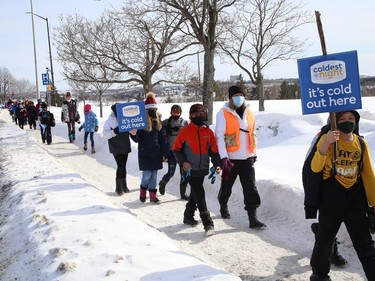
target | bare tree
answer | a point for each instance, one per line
(202, 17)
(135, 43)
(262, 34)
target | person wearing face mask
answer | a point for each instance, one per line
(346, 191)
(152, 150)
(195, 144)
(46, 120)
(172, 126)
(236, 140)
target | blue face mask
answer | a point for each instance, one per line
(238, 100)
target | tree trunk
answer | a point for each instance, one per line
(208, 78)
(260, 89)
(101, 104)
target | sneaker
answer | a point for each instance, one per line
(317, 277)
(209, 230)
(338, 260)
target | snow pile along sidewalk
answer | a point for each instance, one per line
(55, 226)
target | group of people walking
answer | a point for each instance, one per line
(341, 191)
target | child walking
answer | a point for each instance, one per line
(172, 126)
(90, 126)
(346, 190)
(193, 147)
(46, 120)
(152, 149)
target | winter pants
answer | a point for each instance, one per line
(91, 137)
(244, 169)
(32, 122)
(149, 179)
(71, 127)
(172, 164)
(46, 134)
(197, 195)
(337, 205)
(121, 160)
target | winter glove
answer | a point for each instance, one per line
(115, 130)
(371, 219)
(79, 122)
(185, 176)
(212, 175)
(96, 128)
(80, 128)
(227, 167)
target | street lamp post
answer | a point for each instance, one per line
(35, 58)
(50, 53)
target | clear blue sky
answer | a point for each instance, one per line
(348, 25)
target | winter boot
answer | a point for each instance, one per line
(124, 185)
(119, 187)
(162, 185)
(189, 215)
(183, 191)
(336, 258)
(92, 149)
(207, 223)
(317, 277)
(224, 212)
(142, 194)
(85, 146)
(153, 198)
(254, 222)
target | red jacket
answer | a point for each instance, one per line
(196, 145)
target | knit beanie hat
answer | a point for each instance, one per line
(197, 108)
(235, 90)
(87, 107)
(150, 101)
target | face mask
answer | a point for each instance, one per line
(238, 100)
(175, 117)
(152, 113)
(198, 120)
(346, 127)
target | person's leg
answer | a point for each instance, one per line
(171, 170)
(85, 136)
(120, 161)
(331, 213)
(69, 131)
(226, 190)
(92, 142)
(250, 191)
(357, 224)
(198, 192)
(152, 186)
(48, 134)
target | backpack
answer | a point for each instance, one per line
(311, 181)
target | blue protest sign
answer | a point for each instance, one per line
(329, 83)
(131, 115)
(45, 78)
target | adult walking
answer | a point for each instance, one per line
(70, 115)
(119, 146)
(236, 140)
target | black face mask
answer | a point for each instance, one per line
(152, 113)
(198, 120)
(175, 117)
(346, 127)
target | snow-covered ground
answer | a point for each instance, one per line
(61, 220)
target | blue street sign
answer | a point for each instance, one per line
(329, 83)
(45, 78)
(131, 115)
